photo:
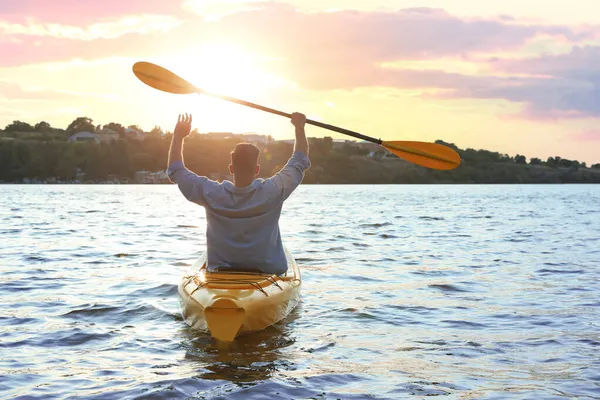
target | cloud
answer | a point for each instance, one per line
(142, 24)
(38, 31)
(213, 10)
(346, 49)
(19, 51)
(82, 12)
(416, 33)
(322, 42)
(543, 98)
(571, 86)
(329, 50)
(587, 136)
(12, 91)
(580, 63)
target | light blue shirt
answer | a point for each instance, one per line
(242, 224)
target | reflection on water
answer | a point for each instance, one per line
(455, 291)
(250, 358)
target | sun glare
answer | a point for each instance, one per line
(226, 70)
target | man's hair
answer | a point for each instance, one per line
(244, 158)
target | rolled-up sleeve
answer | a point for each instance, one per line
(192, 186)
(290, 176)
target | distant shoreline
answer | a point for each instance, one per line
(27, 159)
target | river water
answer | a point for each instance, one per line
(471, 292)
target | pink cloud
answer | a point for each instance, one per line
(82, 12)
(572, 88)
(344, 50)
(327, 42)
(587, 136)
(101, 30)
(368, 37)
(21, 50)
(579, 63)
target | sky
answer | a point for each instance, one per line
(517, 77)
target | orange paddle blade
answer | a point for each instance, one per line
(430, 155)
(162, 79)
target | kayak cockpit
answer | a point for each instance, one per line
(230, 303)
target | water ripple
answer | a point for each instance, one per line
(454, 291)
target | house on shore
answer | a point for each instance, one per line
(340, 143)
(372, 147)
(84, 137)
(254, 138)
(134, 134)
(107, 135)
(219, 135)
(287, 141)
(144, 177)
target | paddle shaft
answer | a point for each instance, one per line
(284, 114)
(357, 135)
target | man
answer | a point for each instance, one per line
(242, 232)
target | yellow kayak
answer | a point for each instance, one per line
(228, 304)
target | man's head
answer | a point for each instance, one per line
(244, 160)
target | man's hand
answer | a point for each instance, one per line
(298, 120)
(183, 127)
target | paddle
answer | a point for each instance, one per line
(430, 155)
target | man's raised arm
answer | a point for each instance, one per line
(182, 130)
(301, 143)
(290, 176)
(191, 185)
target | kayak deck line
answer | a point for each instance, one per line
(256, 281)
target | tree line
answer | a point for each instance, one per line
(41, 152)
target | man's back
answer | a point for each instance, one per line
(243, 223)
